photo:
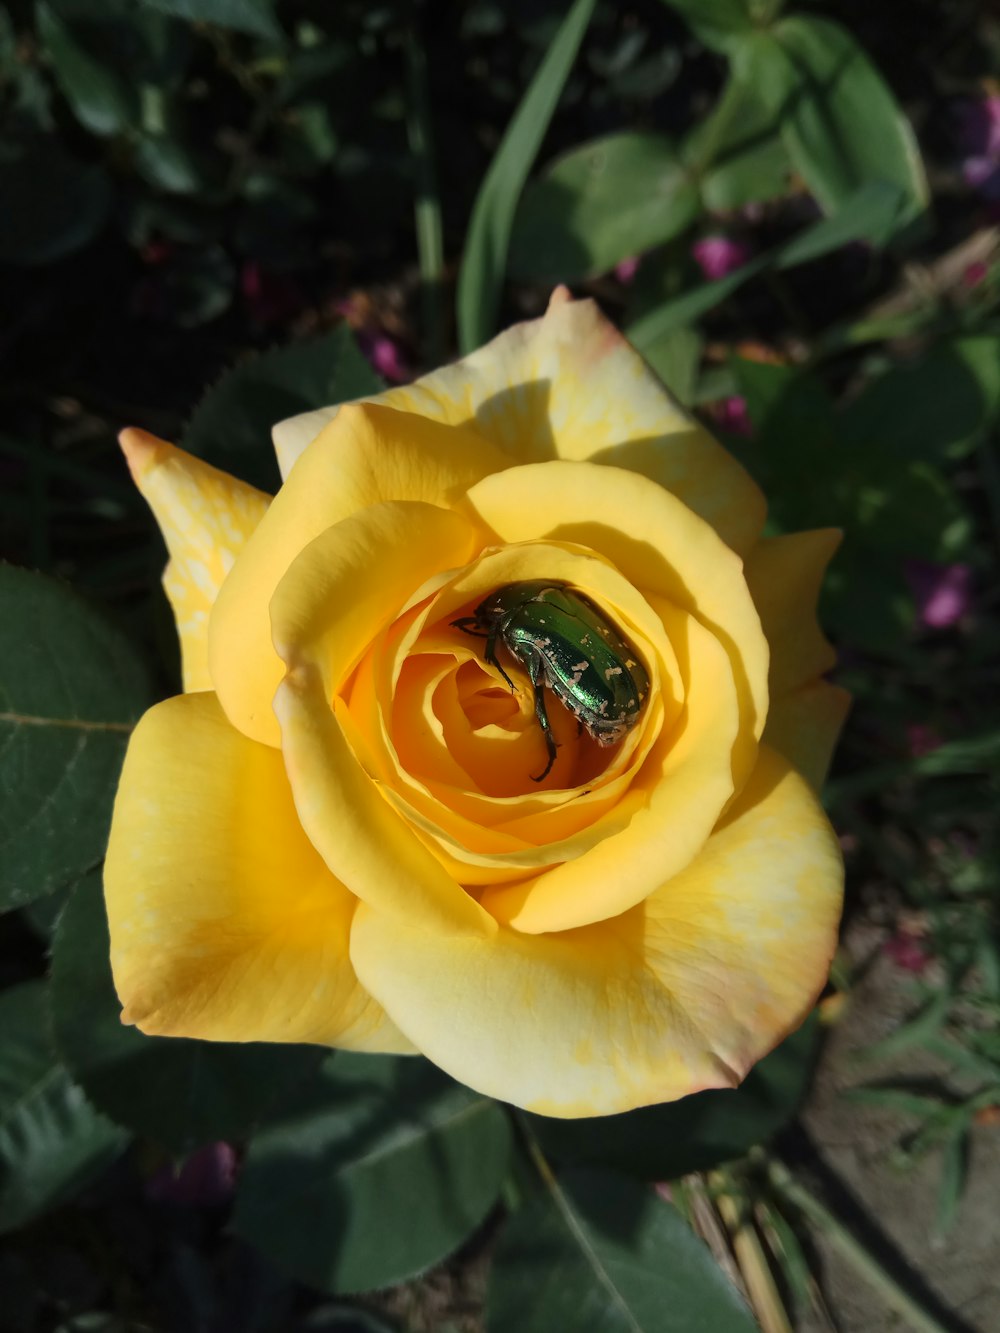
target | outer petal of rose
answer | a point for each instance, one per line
(804, 726)
(368, 455)
(784, 576)
(340, 593)
(682, 993)
(570, 386)
(660, 546)
(206, 517)
(225, 923)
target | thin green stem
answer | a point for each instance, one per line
(427, 205)
(534, 1151)
(785, 1184)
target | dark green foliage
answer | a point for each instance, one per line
(71, 687)
(376, 1146)
(599, 1254)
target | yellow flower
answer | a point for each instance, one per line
(334, 835)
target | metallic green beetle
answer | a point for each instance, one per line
(566, 643)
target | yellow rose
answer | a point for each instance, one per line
(334, 835)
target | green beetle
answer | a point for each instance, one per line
(566, 643)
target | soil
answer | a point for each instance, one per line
(956, 1277)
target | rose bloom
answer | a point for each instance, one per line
(335, 834)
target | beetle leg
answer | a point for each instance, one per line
(538, 681)
(470, 625)
(490, 656)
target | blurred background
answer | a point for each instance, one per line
(216, 213)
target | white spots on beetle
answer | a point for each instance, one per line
(601, 707)
(630, 662)
(580, 666)
(613, 671)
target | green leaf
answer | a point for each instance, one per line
(71, 688)
(171, 166)
(101, 98)
(599, 1254)
(954, 1173)
(840, 122)
(737, 151)
(868, 215)
(481, 275)
(52, 1141)
(179, 1092)
(816, 473)
(314, 1190)
(935, 409)
(602, 202)
(253, 16)
(722, 23)
(695, 1133)
(36, 180)
(676, 358)
(231, 426)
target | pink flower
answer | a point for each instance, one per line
(719, 255)
(383, 352)
(921, 739)
(625, 271)
(271, 298)
(205, 1179)
(907, 951)
(385, 356)
(975, 273)
(942, 593)
(979, 137)
(732, 416)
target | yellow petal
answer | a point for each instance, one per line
(784, 576)
(367, 455)
(225, 923)
(804, 726)
(341, 591)
(569, 386)
(684, 992)
(206, 518)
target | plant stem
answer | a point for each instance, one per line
(762, 1290)
(784, 1183)
(427, 205)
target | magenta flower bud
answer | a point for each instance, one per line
(975, 274)
(979, 138)
(921, 739)
(942, 593)
(979, 127)
(206, 1179)
(386, 357)
(733, 416)
(626, 270)
(719, 255)
(907, 951)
